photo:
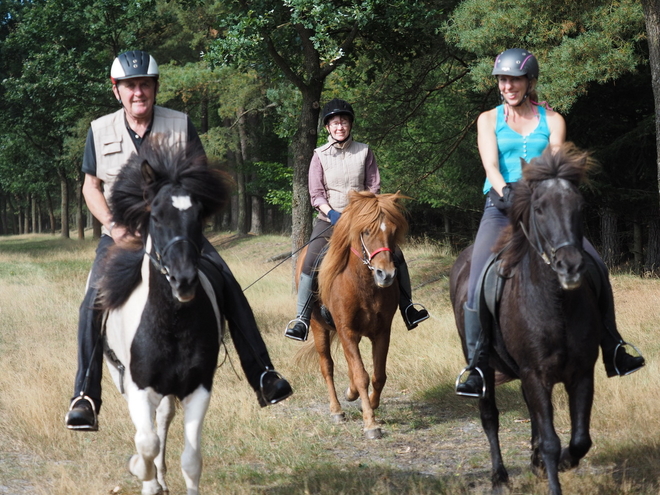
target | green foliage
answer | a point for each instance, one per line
(274, 181)
(576, 42)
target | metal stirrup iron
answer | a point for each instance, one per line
(292, 324)
(419, 308)
(467, 369)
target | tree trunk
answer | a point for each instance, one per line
(610, 251)
(80, 201)
(64, 188)
(638, 246)
(34, 213)
(652, 19)
(241, 158)
(301, 151)
(256, 226)
(51, 212)
(652, 264)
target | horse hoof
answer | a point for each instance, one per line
(338, 418)
(373, 433)
(350, 397)
(567, 461)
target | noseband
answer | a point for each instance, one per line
(536, 243)
(157, 259)
(365, 257)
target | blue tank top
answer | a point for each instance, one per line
(512, 146)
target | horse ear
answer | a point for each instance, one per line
(148, 173)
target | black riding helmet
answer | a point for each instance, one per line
(337, 107)
(516, 62)
(132, 64)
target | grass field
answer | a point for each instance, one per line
(433, 440)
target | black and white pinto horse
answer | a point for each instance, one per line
(162, 323)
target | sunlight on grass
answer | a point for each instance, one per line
(433, 440)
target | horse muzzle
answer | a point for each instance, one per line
(383, 278)
(569, 267)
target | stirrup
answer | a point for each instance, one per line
(262, 396)
(468, 370)
(419, 320)
(622, 345)
(292, 324)
(93, 427)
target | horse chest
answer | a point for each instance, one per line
(175, 349)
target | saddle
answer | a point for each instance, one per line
(490, 287)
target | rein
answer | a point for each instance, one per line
(365, 257)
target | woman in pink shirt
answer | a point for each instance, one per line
(340, 166)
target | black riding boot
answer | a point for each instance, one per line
(298, 328)
(474, 386)
(616, 359)
(411, 315)
(269, 385)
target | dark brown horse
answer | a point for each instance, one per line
(358, 285)
(549, 321)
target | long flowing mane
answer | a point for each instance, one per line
(566, 162)
(363, 213)
(155, 166)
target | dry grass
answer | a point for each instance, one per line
(433, 442)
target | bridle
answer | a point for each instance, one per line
(365, 257)
(548, 258)
(159, 254)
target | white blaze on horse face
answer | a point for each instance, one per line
(181, 202)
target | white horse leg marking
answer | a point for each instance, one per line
(194, 410)
(164, 415)
(142, 405)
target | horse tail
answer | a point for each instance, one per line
(305, 357)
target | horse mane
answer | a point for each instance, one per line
(145, 173)
(566, 162)
(364, 212)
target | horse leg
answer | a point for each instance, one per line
(164, 416)
(580, 397)
(194, 410)
(539, 398)
(490, 421)
(141, 406)
(323, 343)
(359, 379)
(379, 349)
(536, 462)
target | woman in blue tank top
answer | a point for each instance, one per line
(521, 128)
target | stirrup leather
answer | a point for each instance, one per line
(93, 427)
(290, 326)
(419, 307)
(467, 369)
(622, 345)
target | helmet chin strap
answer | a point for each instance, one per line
(342, 141)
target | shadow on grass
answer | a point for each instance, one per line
(40, 244)
(363, 479)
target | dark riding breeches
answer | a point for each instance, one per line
(235, 307)
(90, 347)
(319, 240)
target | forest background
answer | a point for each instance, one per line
(253, 76)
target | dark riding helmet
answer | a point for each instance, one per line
(516, 62)
(337, 107)
(132, 64)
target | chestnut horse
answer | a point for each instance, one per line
(549, 323)
(358, 286)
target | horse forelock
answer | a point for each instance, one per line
(134, 190)
(366, 211)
